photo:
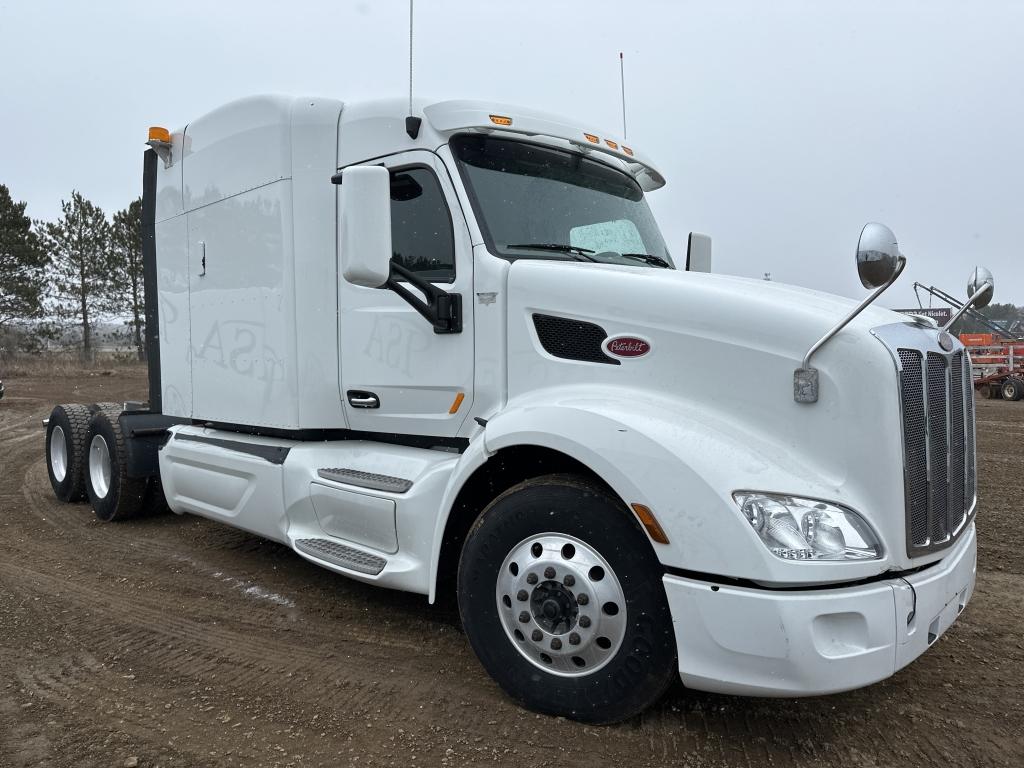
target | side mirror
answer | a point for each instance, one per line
(879, 263)
(364, 225)
(878, 255)
(698, 253)
(980, 279)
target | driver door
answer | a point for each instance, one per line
(397, 375)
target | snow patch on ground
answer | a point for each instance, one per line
(246, 587)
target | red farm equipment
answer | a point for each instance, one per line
(997, 357)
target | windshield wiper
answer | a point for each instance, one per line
(656, 261)
(581, 253)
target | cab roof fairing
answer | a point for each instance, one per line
(451, 116)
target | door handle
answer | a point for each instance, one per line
(202, 250)
(359, 399)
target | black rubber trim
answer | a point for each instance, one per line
(727, 581)
(272, 453)
(149, 278)
(458, 444)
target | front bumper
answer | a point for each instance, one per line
(760, 642)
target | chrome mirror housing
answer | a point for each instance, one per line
(878, 255)
(879, 263)
(980, 285)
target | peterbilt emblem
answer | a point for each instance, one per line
(946, 341)
(627, 346)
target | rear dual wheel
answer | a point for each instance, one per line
(86, 457)
(113, 494)
(66, 432)
(561, 597)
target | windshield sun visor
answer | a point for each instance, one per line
(450, 116)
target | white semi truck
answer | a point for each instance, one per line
(451, 351)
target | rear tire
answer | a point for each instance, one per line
(1013, 389)
(114, 496)
(66, 433)
(561, 597)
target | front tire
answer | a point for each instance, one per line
(561, 598)
(66, 432)
(114, 496)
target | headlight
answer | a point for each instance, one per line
(807, 529)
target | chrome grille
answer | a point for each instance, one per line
(937, 401)
(956, 502)
(970, 489)
(915, 453)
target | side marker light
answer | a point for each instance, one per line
(647, 519)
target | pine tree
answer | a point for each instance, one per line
(78, 244)
(126, 253)
(22, 264)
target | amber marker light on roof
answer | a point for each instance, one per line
(654, 529)
(611, 143)
(501, 120)
(627, 150)
(156, 133)
(592, 138)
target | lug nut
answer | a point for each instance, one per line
(574, 639)
(522, 595)
(584, 621)
(531, 578)
(569, 580)
(524, 617)
(549, 572)
(582, 599)
(537, 635)
(556, 644)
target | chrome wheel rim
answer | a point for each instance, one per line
(99, 466)
(561, 604)
(58, 454)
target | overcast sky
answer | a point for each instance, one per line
(782, 127)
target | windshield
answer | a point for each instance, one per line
(535, 202)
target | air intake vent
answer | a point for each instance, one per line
(572, 339)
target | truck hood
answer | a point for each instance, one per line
(755, 314)
(722, 355)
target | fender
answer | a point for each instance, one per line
(681, 462)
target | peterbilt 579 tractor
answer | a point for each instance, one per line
(450, 352)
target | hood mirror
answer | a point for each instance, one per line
(878, 255)
(980, 287)
(980, 279)
(879, 263)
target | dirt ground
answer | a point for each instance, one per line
(173, 641)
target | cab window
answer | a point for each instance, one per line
(421, 226)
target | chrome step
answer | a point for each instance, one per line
(365, 479)
(341, 555)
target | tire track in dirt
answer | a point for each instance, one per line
(352, 672)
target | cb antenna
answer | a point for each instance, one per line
(412, 123)
(622, 82)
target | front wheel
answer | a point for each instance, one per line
(561, 597)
